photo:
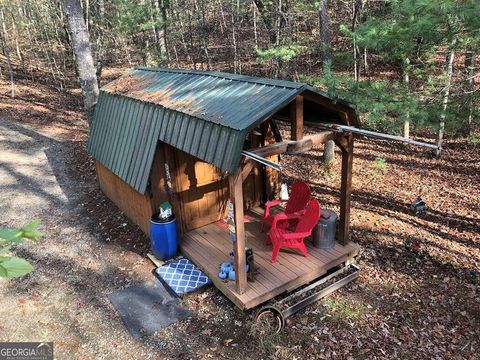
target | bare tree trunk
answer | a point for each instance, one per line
(87, 14)
(156, 33)
(239, 47)
(17, 45)
(192, 47)
(325, 52)
(446, 94)
(324, 26)
(100, 40)
(255, 32)
(328, 152)
(264, 13)
(124, 44)
(470, 63)
(160, 33)
(234, 38)
(223, 23)
(83, 55)
(406, 82)
(155, 29)
(6, 50)
(182, 34)
(174, 47)
(203, 24)
(164, 38)
(356, 62)
(365, 63)
(279, 26)
(359, 15)
(51, 58)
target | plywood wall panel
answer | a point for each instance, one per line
(201, 189)
(136, 206)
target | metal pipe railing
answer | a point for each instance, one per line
(262, 160)
(374, 134)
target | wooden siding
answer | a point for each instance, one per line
(209, 246)
(201, 189)
(136, 206)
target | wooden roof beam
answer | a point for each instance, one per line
(310, 141)
(295, 147)
(247, 168)
(273, 149)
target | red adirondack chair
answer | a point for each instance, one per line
(280, 236)
(299, 197)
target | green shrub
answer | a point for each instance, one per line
(380, 166)
(474, 139)
(13, 266)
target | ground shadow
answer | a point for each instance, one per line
(75, 175)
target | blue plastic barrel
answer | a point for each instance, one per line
(163, 237)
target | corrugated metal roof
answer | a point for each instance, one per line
(124, 136)
(206, 114)
(230, 100)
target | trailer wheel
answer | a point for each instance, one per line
(269, 320)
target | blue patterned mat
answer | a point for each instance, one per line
(182, 276)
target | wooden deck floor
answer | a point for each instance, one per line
(209, 246)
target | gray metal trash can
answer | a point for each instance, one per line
(323, 235)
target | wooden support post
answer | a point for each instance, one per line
(236, 197)
(296, 117)
(346, 145)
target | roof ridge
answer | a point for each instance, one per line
(230, 76)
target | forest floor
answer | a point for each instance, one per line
(409, 303)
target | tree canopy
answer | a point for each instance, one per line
(390, 58)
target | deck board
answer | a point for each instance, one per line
(209, 246)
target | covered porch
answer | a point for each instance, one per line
(209, 246)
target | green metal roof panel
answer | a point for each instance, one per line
(206, 114)
(124, 136)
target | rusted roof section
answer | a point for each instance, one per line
(235, 101)
(206, 114)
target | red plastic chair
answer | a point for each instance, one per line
(299, 197)
(281, 237)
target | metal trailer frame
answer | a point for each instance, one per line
(280, 315)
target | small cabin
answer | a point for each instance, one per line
(180, 136)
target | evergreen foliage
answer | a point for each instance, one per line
(411, 35)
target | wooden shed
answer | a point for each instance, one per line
(178, 135)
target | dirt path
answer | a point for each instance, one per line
(29, 186)
(56, 301)
(64, 300)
